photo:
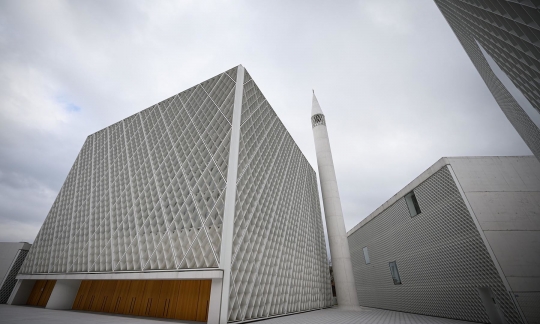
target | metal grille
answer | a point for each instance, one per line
(9, 281)
(528, 302)
(147, 192)
(279, 255)
(510, 33)
(440, 255)
(317, 120)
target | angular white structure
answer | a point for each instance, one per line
(200, 207)
(501, 39)
(335, 225)
(462, 241)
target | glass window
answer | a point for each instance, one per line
(395, 273)
(412, 203)
(366, 255)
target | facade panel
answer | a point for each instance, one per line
(279, 255)
(147, 194)
(440, 254)
(509, 31)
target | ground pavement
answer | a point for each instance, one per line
(33, 315)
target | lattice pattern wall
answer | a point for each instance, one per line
(279, 254)
(510, 32)
(146, 193)
(440, 256)
(10, 279)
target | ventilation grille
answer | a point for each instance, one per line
(9, 280)
(279, 254)
(440, 256)
(146, 193)
(317, 120)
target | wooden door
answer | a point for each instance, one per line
(105, 296)
(204, 300)
(47, 291)
(84, 288)
(41, 292)
(119, 298)
(91, 297)
(150, 298)
(188, 299)
(36, 292)
(176, 299)
(168, 299)
(134, 297)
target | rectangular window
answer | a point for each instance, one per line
(395, 273)
(412, 203)
(366, 255)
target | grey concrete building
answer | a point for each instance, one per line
(12, 256)
(201, 207)
(461, 241)
(502, 38)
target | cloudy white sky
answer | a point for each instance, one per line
(397, 88)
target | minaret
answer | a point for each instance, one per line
(335, 225)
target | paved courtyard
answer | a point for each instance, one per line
(32, 315)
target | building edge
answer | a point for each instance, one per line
(225, 261)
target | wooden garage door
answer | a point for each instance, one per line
(175, 299)
(41, 292)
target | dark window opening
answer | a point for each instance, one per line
(366, 255)
(412, 204)
(395, 273)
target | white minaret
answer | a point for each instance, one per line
(335, 225)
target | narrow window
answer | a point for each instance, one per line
(412, 203)
(395, 273)
(366, 255)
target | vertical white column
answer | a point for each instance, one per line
(230, 197)
(335, 225)
(63, 294)
(215, 301)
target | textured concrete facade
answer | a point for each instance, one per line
(206, 179)
(509, 32)
(477, 228)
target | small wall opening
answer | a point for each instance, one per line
(395, 273)
(412, 204)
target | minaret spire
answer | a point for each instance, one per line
(315, 107)
(335, 225)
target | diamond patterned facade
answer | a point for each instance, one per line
(148, 193)
(440, 254)
(277, 211)
(509, 31)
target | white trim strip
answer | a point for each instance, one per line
(157, 275)
(230, 197)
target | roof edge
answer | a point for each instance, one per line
(400, 194)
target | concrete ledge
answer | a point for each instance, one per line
(161, 275)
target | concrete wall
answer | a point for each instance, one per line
(500, 197)
(504, 194)
(440, 254)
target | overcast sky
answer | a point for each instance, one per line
(397, 89)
